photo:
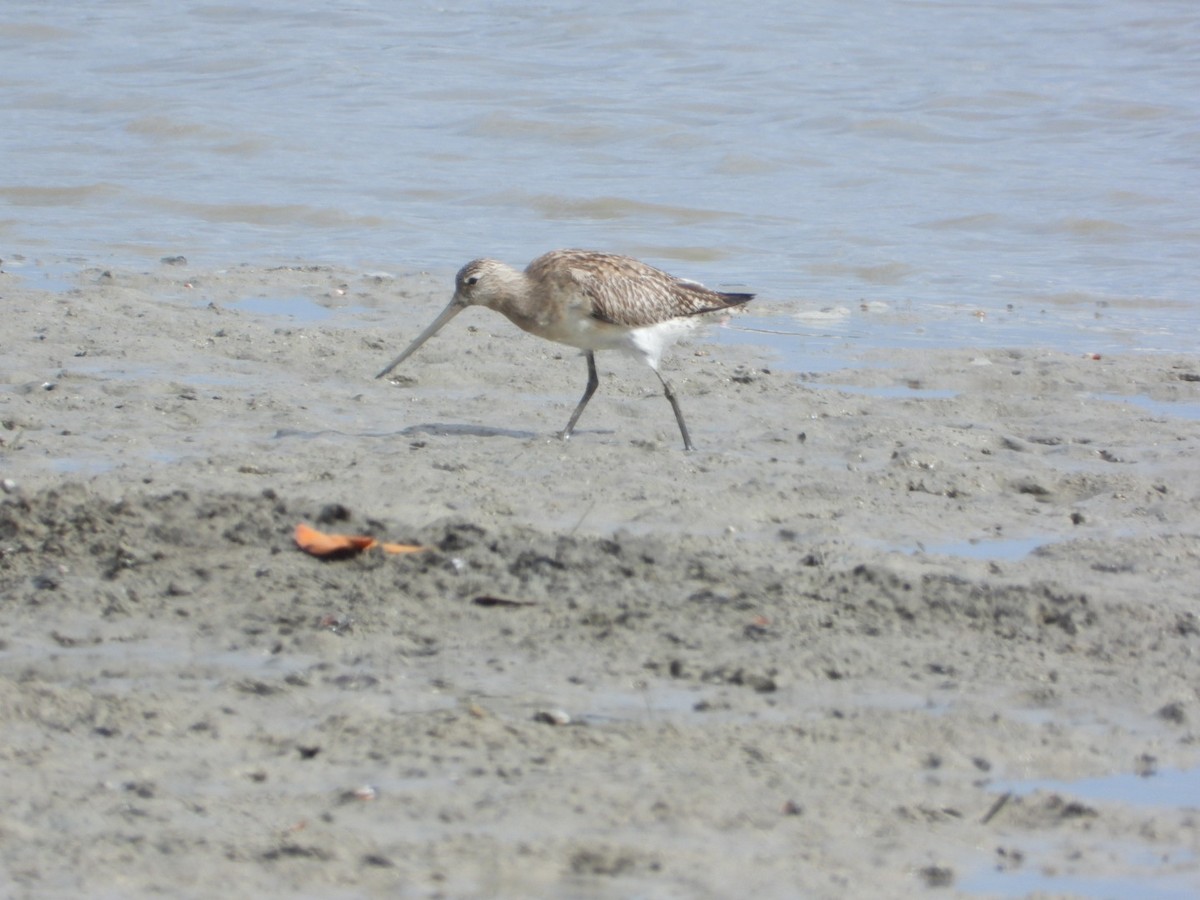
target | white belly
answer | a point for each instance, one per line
(646, 343)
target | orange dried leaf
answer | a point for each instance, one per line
(318, 543)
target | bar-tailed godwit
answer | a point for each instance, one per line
(590, 300)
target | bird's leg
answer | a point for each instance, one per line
(687, 441)
(592, 384)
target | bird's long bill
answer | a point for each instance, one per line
(445, 316)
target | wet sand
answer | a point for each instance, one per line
(809, 659)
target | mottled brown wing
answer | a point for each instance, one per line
(627, 292)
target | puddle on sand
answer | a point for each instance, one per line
(56, 277)
(797, 347)
(1001, 549)
(987, 548)
(836, 337)
(709, 702)
(107, 370)
(1182, 409)
(692, 703)
(887, 391)
(94, 656)
(1146, 873)
(1170, 788)
(1144, 882)
(102, 463)
(78, 465)
(298, 309)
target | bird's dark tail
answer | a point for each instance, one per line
(727, 300)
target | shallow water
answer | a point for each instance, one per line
(1175, 788)
(1034, 163)
(1146, 882)
(1155, 872)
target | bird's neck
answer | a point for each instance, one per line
(513, 296)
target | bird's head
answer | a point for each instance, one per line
(483, 282)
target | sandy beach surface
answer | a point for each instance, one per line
(866, 641)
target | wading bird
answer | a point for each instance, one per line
(590, 300)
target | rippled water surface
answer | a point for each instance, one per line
(974, 160)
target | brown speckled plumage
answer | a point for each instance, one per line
(590, 300)
(626, 291)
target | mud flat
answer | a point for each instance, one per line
(868, 640)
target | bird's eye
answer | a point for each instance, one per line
(474, 279)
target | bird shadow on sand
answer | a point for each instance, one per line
(445, 429)
(438, 429)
